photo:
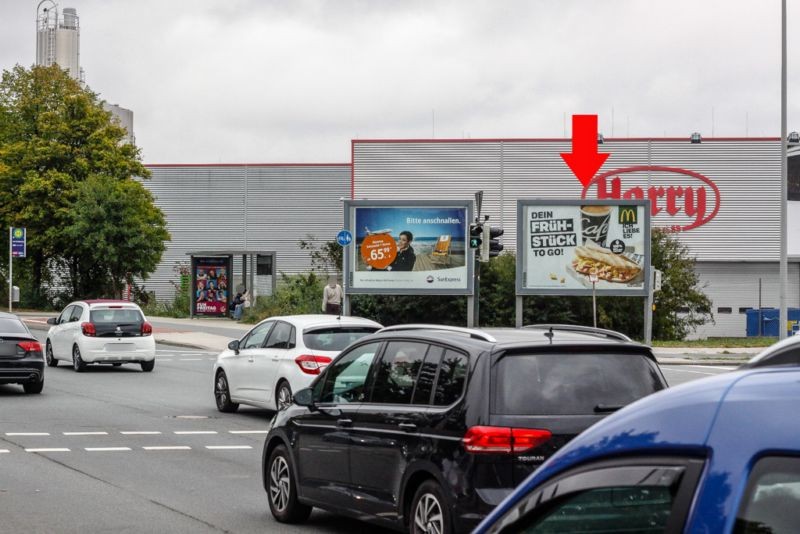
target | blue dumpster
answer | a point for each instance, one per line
(770, 317)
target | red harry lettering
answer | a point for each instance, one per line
(695, 201)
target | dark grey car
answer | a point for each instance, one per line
(21, 358)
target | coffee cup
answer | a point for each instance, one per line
(594, 223)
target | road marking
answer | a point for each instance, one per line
(140, 432)
(3, 451)
(228, 447)
(27, 433)
(191, 359)
(247, 431)
(85, 433)
(169, 448)
(715, 367)
(187, 432)
(54, 449)
(106, 449)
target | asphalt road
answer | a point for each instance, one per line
(117, 450)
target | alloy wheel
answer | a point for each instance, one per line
(221, 390)
(428, 516)
(279, 483)
(284, 396)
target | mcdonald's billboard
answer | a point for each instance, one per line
(574, 247)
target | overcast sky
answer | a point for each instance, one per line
(244, 81)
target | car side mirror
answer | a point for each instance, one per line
(304, 397)
(52, 320)
(234, 346)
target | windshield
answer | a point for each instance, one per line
(335, 338)
(116, 316)
(572, 383)
(12, 326)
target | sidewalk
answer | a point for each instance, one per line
(221, 331)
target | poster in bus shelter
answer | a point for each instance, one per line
(210, 279)
(409, 247)
(575, 247)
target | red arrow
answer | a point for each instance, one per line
(584, 160)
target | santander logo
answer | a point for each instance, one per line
(695, 201)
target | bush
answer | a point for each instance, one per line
(295, 294)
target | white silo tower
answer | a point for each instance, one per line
(58, 38)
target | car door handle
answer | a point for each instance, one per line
(344, 422)
(408, 427)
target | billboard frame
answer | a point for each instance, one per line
(522, 236)
(349, 252)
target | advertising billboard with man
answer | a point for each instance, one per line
(408, 247)
(564, 247)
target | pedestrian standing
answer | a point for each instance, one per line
(332, 297)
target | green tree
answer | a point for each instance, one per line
(55, 135)
(127, 233)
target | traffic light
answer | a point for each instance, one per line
(475, 235)
(491, 246)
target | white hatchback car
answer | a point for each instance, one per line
(101, 331)
(281, 355)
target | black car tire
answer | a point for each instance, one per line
(282, 489)
(34, 387)
(283, 396)
(222, 394)
(77, 362)
(48, 355)
(148, 366)
(429, 510)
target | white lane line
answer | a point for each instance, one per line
(85, 433)
(27, 433)
(715, 367)
(247, 431)
(3, 451)
(228, 447)
(191, 359)
(188, 432)
(692, 372)
(139, 432)
(52, 449)
(169, 448)
(106, 449)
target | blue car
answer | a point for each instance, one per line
(716, 455)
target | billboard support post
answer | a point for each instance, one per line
(648, 317)
(10, 276)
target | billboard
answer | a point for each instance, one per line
(210, 279)
(408, 247)
(564, 247)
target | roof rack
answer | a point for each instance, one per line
(611, 334)
(477, 334)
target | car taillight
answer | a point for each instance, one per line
(88, 329)
(147, 329)
(503, 440)
(29, 346)
(312, 365)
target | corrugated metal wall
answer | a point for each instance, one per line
(268, 208)
(747, 173)
(735, 286)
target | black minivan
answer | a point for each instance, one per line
(426, 428)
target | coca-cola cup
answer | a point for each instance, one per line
(594, 223)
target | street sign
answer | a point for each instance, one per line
(18, 242)
(344, 238)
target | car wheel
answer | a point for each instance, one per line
(48, 355)
(283, 398)
(429, 512)
(282, 489)
(34, 387)
(222, 394)
(77, 362)
(148, 366)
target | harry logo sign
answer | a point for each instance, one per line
(673, 192)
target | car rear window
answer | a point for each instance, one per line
(571, 384)
(12, 326)
(334, 338)
(116, 316)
